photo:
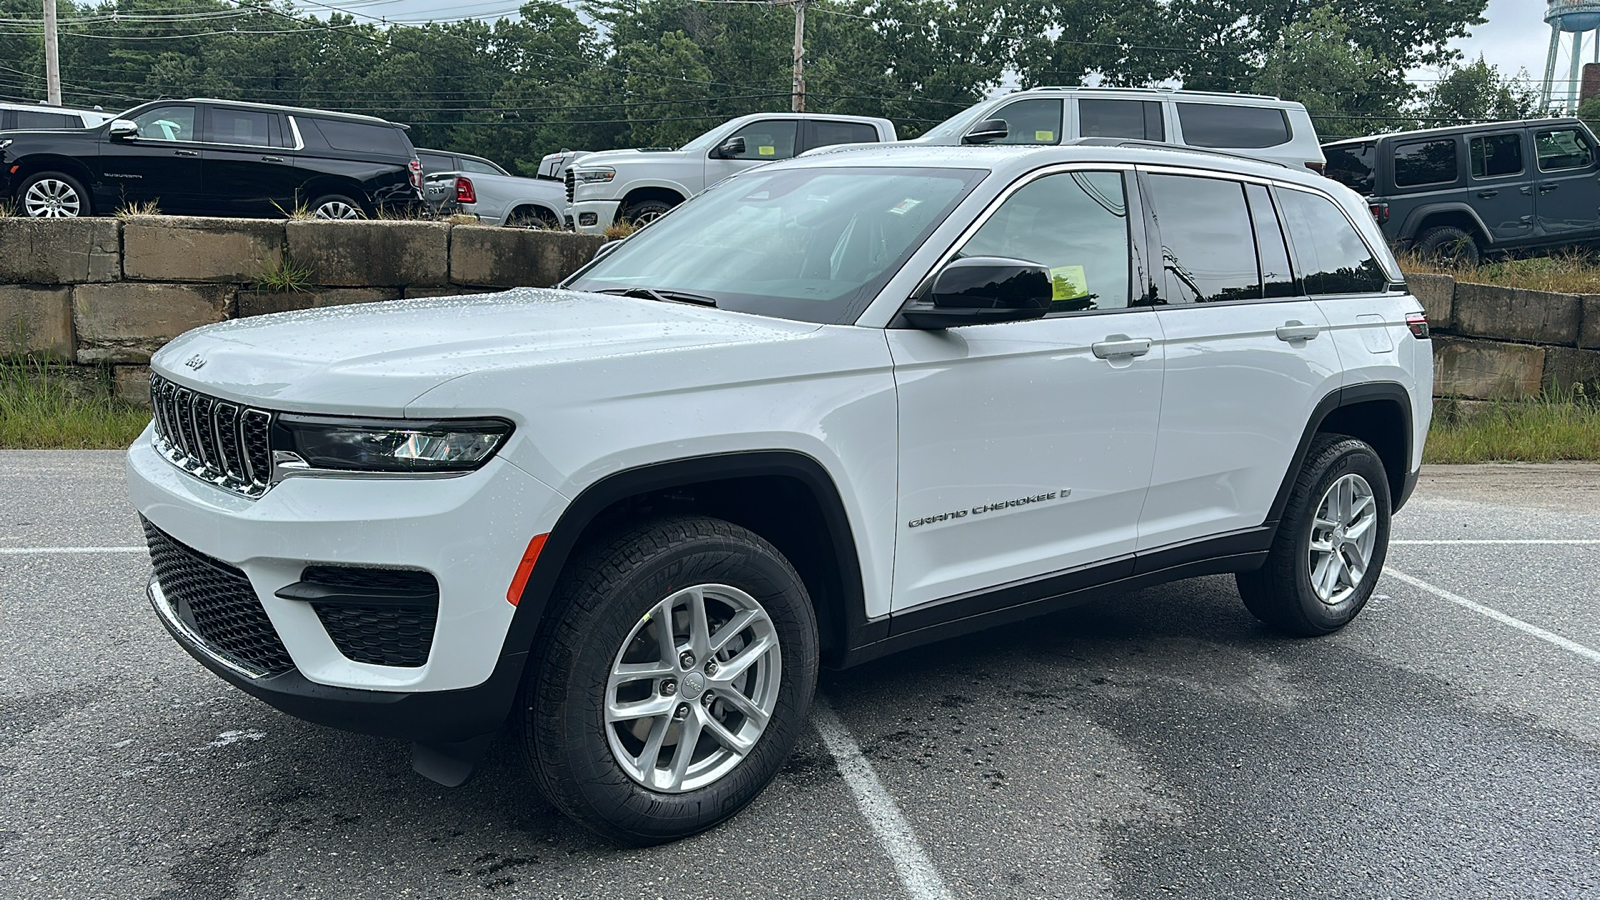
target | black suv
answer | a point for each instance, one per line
(214, 158)
(1458, 193)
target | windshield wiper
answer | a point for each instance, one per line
(664, 296)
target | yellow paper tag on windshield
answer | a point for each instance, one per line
(1068, 283)
(767, 151)
(1044, 135)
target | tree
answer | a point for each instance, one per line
(1477, 92)
(1345, 88)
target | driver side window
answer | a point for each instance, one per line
(766, 141)
(1074, 223)
(167, 123)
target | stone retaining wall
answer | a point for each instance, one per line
(109, 292)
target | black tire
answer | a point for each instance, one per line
(531, 217)
(1281, 592)
(1448, 245)
(84, 203)
(330, 206)
(645, 211)
(595, 614)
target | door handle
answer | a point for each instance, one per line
(1527, 190)
(1485, 195)
(1547, 188)
(1295, 330)
(188, 153)
(1120, 345)
(272, 159)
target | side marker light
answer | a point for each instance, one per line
(525, 568)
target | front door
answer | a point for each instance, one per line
(159, 165)
(1025, 448)
(765, 141)
(247, 165)
(1566, 192)
(1502, 189)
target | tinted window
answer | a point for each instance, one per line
(433, 162)
(27, 118)
(360, 137)
(477, 167)
(826, 134)
(1567, 148)
(1332, 256)
(1137, 119)
(1496, 155)
(1353, 165)
(1425, 162)
(1075, 223)
(1216, 125)
(1031, 122)
(1272, 250)
(167, 123)
(244, 126)
(1208, 246)
(772, 139)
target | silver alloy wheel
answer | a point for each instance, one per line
(693, 688)
(52, 198)
(336, 209)
(645, 218)
(1343, 534)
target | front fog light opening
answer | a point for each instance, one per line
(380, 445)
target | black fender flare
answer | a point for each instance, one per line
(1408, 231)
(1399, 482)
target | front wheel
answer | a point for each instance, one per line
(676, 677)
(644, 212)
(1330, 545)
(53, 195)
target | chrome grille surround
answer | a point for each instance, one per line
(212, 439)
(572, 182)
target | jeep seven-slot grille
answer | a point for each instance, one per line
(213, 439)
(572, 184)
(217, 603)
(396, 631)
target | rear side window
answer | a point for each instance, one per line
(247, 127)
(1353, 165)
(1333, 258)
(1563, 149)
(1137, 119)
(1425, 162)
(480, 168)
(1208, 245)
(1074, 223)
(1217, 125)
(826, 134)
(360, 137)
(1495, 155)
(433, 162)
(27, 118)
(1031, 122)
(1272, 250)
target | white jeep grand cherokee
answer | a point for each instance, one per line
(832, 408)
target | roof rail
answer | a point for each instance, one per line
(1160, 145)
(1158, 89)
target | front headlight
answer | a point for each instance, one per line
(596, 175)
(391, 445)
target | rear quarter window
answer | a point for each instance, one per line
(361, 137)
(31, 119)
(1353, 165)
(1244, 127)
(1425, 162)
(1332, 257)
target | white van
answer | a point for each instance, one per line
(32, 116)
(1251, 125)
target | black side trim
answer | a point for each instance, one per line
(1017, 594)
(1406, 489)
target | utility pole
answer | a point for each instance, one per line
(798, 102)
(52, 56)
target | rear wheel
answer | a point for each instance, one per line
(53, 195)
(1330, 545)
(1448, 245)
(530, 217)
(336, 206)
(676, 677)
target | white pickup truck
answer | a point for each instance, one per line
(640, 185)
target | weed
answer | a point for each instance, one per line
(299, 212)
(45, 407)
(287, 277)
(616, 231)
(139, 208)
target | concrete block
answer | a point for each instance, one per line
(372, 254)
(1566, 368)
(172, 248)
(36, 321)
(516, 257)
(1437, 293)
(125, 323)
(1486, 370)
(1589, 333)
(258, 303)
(1513, 314)
(131, 383)
(59, 251)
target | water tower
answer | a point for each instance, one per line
(1577, 18)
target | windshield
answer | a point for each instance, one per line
(703, 141)
(951, 130)
(813, 244)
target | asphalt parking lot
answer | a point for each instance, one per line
(1446, 744)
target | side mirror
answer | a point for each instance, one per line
(986, 131)
(123, 128)
(730, 148)
(982, 290)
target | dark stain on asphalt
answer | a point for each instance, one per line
(21, 715)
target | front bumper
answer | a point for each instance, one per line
(469, 531)
(603, 211)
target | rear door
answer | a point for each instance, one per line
(1567, 201)
(816, 133)
(1502, 187)
(1247, 356)
(248, 163)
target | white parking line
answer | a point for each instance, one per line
(28, 551)
(921, 880)
(1495, 614)
(1507, 541)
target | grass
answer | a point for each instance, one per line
(143, 208)
(287, 277)
(1570, 270)
(619, 230)
(45, 408)
(1545, 430)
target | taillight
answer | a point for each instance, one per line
(464, 191)
(1315, 167)
(1380, 212)
(416, 174)
(1418, 323)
